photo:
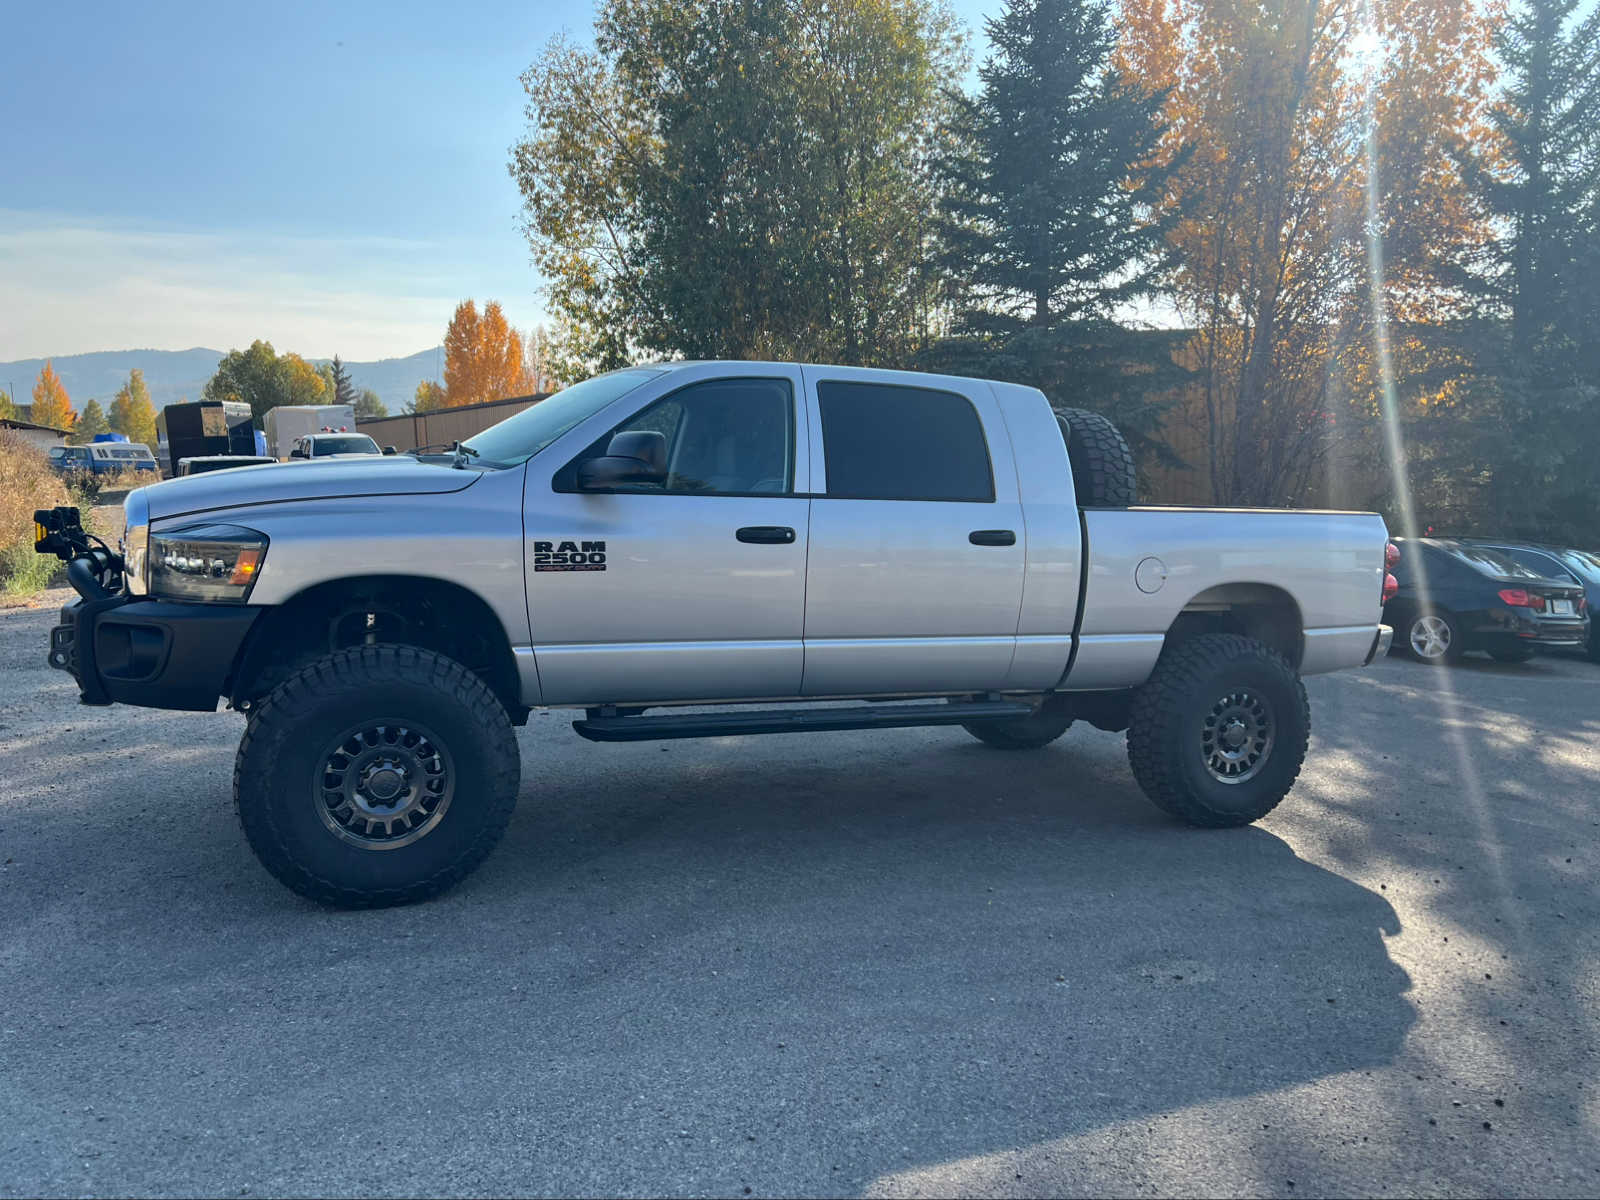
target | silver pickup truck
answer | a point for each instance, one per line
(699, 550)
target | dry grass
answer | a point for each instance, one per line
(26, 483)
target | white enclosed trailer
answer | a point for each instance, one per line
(290, 421)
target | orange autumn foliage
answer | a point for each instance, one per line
(51, 404)
(483, 357)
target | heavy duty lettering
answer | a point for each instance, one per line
(569, 556)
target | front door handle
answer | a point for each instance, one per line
(769, 535)
(992, 537)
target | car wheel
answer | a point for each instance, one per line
(1020, 733)
(1433, 637)
(1219, 731)
(377, 775)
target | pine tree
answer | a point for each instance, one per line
(1540, 181)
(1048, 232)
(91, 421)
(343, 390)
(51, 404)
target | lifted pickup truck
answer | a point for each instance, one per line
(745, 537)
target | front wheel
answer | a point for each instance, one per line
(378, 775)
(1219, 731)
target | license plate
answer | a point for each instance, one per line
(1561, 608)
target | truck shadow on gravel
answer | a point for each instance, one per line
(916, 950)
(788, 964)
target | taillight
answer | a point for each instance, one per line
(1583, 605)
(1391, 556)
(1520, 598)
(1391, 585)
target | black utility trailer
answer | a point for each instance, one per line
(203, 428)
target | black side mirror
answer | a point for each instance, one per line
(390, 450)
(639, 457)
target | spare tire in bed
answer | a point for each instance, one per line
(1102, 465)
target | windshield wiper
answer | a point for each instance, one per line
(461, 451)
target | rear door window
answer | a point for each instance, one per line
(885, 442)
(1540, 564)
(1489, 562)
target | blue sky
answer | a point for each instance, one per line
(329, 176)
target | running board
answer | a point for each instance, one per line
(793, 720)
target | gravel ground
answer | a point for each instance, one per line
(887, 963)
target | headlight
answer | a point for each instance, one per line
(217, 563)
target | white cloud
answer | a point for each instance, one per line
(73, 285)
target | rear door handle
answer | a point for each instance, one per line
(773, 535)
(992, 537)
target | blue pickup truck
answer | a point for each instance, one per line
(102, 458)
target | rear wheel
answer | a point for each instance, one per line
(1219, 730)
(1433, 637)
(378, 775)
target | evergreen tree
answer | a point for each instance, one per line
(1540, 182)
(369, 406)
(91, 421)
(1048, 231)
(342, 391)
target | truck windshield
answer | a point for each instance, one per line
(517, 439)
(353, 444)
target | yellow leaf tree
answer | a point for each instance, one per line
(483, 356)
(51, 404)
(429, 396)
(1286, 111)
(131, 411)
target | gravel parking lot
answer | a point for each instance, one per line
(885, 963)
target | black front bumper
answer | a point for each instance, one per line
(153, 653)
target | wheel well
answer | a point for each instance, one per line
(411, 610)
(1256, 610)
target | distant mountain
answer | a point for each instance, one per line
(174, 375)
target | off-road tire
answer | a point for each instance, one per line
(1166, 745)
(1019, 733)
(1103, 473)
(276, 773)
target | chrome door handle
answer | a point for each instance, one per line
(770, 535)
(992, 537)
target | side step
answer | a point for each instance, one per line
(793, 720)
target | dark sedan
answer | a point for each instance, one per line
(1456, 597)
(1558, 562)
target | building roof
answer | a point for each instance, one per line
(14, 423)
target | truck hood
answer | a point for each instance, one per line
(396, 475)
